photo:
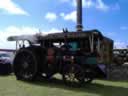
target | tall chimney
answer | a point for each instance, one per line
(79, 26)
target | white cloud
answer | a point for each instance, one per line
(70, 16)
(17, 31)
(8, 6)
(51, 16)
(14, 31)
(97, 4)
(101, 5)
(120, 44)
(88, 3)
(52, 30)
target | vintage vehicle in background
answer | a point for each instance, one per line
(120, 56)
(5, 63)
(79, 56)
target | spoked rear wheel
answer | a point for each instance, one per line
(25, 64)
(73, 75)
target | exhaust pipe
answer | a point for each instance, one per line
(79, 26)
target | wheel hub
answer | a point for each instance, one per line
(25, 65)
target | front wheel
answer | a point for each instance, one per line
(73, 75)
(26, 64)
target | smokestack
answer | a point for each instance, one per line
(79, 26)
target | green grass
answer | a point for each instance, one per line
(9, 86)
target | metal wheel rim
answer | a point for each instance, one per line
(72, 76)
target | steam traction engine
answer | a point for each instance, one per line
(75, 55)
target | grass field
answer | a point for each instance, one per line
(9, 86)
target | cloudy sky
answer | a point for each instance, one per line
(19, 17)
